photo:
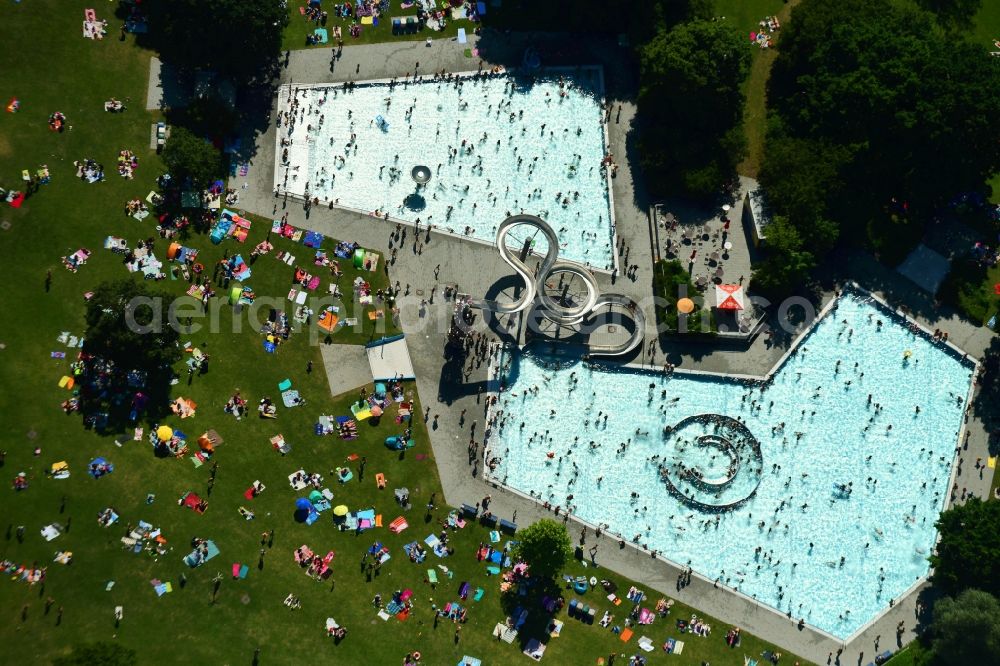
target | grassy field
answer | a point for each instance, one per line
(746, 16)
(298, 28)
(986, 25)
(188, 625)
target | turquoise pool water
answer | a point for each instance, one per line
(815, 506)
(495, 146)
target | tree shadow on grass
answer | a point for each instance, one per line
(986, 405)
(536, 624)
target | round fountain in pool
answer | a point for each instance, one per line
(712, 462)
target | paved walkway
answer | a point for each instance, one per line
(447, 389)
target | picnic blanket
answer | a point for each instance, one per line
(195, 557)
(535, 649)
(298, 480)
(290, 398)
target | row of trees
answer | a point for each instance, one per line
(876, 122)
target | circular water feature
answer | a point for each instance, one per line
(421, 174)
(713, 462)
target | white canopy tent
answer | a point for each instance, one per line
(389, 358)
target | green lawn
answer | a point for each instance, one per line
(986, 25)
(746, 16)
(995, 186)
(299, 27)
(186, 626)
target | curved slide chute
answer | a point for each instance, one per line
(564, 315)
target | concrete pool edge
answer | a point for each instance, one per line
(283, 93)
(969, 362)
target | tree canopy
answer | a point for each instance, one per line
(190, 156)
(876, 123)
(968, 554)
(128, 329)
(966, 630)
(691, 107)
(545, 547)
(786, 263)
(102, 653)
(240, 39)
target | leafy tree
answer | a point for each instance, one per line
(239, 39)
(545, 547)
(102, 653)
(799, 174)
(953, 13)
(968, 554)
(128, 329)
(787, 264)
(987, 401)
(872, 120)
(691, 107)
(190, 156)
(206, 116)
(129, 324)
(966, 630)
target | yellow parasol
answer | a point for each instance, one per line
(164, 433)
(340, 510)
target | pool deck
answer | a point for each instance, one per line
(476, 268)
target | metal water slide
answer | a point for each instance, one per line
(559, 313)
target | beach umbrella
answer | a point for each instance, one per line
(340, 510)
(164, 433)
(303, 504)
(685, 305)
(729, 297)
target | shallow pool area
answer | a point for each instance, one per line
(495, 145)
(814, 492)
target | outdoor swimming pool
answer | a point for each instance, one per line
(797, 492)
(494, 146)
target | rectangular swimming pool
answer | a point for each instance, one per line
(494, 145)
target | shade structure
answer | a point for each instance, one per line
(340, 510)
(685, 305)
(729, 297)
(164, 433)
(389, 359)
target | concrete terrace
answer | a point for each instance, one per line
(476, 268)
